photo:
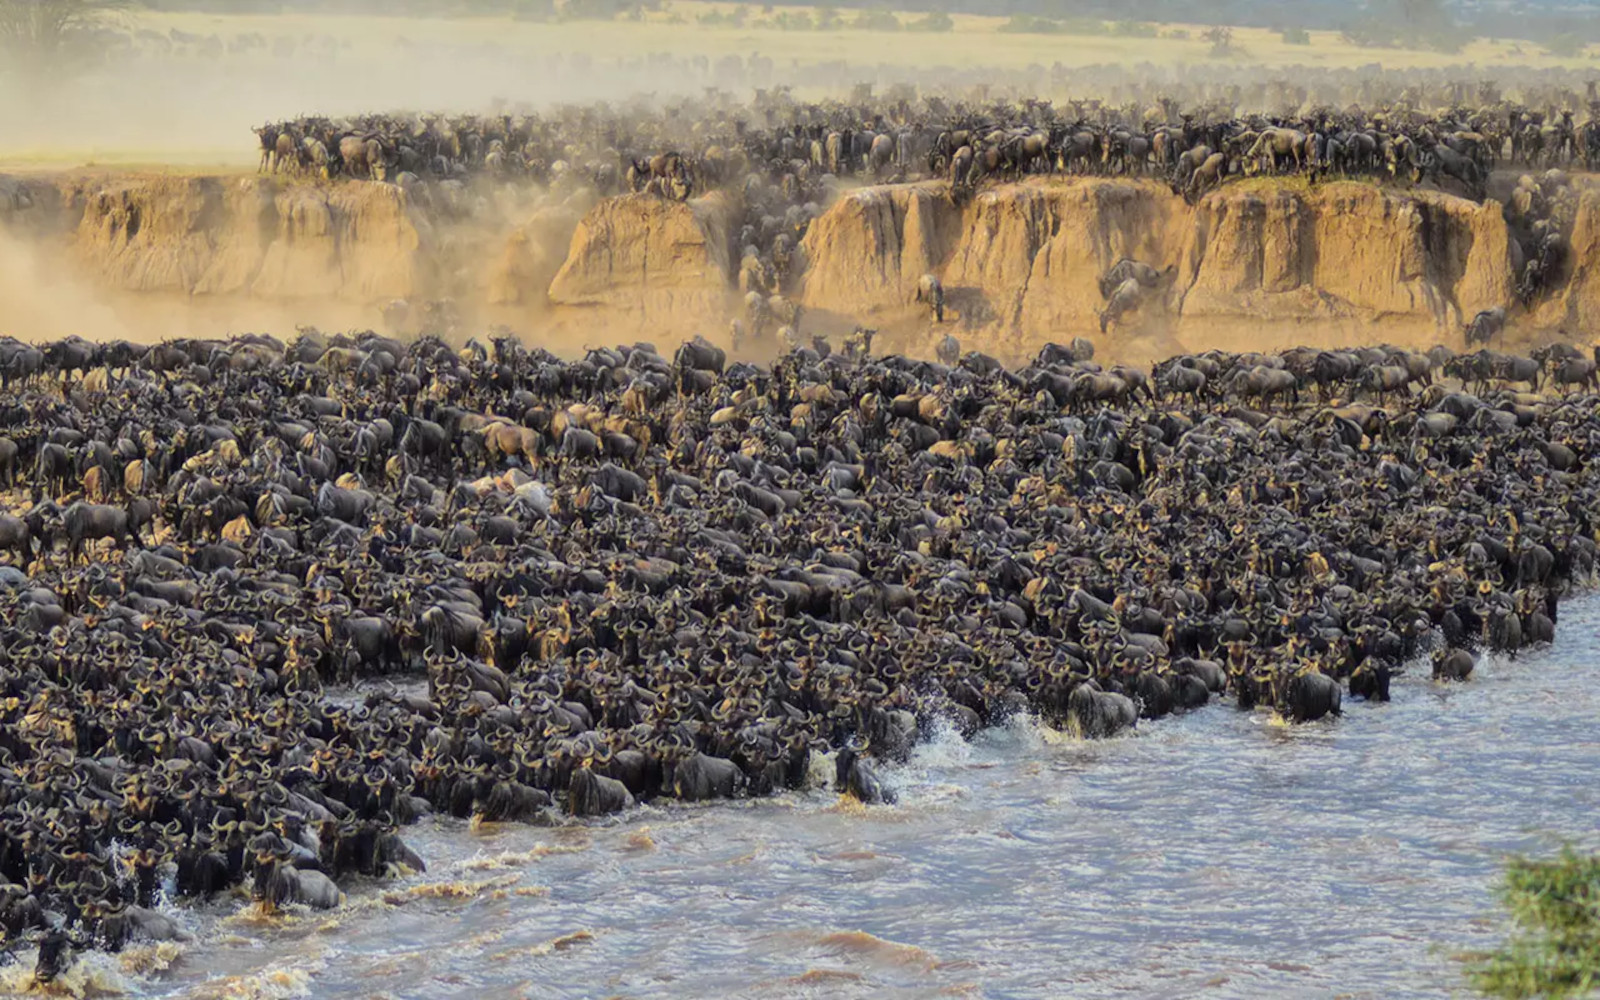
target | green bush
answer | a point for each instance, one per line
(828, 19)
(1568, 45)
(1296, 36)
(532, 10)
(875, 20)
(1178, 34)
(1134, 29)
(793, 21)
(1554, 950)
(718, 19)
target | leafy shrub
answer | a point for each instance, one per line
(1555, 948)
(937, 21)
(875, 20)
(789, 20)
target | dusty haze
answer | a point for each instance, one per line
(178, 94)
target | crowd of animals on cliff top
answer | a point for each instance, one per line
(787, 160)
(568, 586)
(677, 153)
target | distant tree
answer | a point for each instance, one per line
(936, 21)
(875, 20)
(1563, 35)
(1564, 46)
(1419, 17)
(598, 10)
(1296, 36)
(533, 10)
(1555, 947)
(1413, 24)
(1221, 39)
(53, 33)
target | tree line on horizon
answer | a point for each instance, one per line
(1563, 28)
(54, 33)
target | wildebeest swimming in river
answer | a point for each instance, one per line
(568, 586)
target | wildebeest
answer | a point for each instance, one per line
(1099, 713)
(931, 291)
(856, 778)
(1126, 298)
(1483, 327)
(1309, 695)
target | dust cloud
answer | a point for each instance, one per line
(41, 300)
(183, 91)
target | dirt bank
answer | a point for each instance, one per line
(1259, 264)
(1277, 262)
(639, 266)
(150, 256)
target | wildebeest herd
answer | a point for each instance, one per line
(268, 603)
(679, 152)
(785, 160)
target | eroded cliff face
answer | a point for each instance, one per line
(1259, 264)
(639, 265)
(1575, 308)
(867, 252)
(253, 252)
(250, 236)
(1020, 264)
(1345, 252)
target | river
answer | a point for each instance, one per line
(1213, 855)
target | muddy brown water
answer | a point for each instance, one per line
(1214, 855)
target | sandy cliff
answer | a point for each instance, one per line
(1020, 263)
(642, 266)
(249, 236)
(166, 255)
(1261, 263)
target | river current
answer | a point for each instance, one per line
(1218, 854)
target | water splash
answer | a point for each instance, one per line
(94, 974)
